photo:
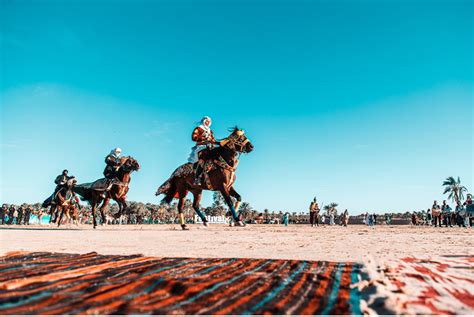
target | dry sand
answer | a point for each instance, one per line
(354, 243)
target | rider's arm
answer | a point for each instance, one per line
(196, 136)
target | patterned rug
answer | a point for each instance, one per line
(440, 285)
(56, 283)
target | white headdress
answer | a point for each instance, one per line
(116, 152)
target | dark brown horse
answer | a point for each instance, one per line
(64, 203)
(221, 177)
(117, 192)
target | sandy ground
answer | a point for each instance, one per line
(336, 243)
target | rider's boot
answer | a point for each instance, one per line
(199, 170)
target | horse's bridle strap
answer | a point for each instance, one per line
(222, 163)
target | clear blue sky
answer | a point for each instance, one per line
(365, 103)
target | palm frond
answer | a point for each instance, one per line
(449, 181)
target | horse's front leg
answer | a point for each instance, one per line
(61, 211)
(75, 216)
(197, 200)
(102, 209)
(228, 200)
(236, 195)
(52, 211)
(94, 208)
(123, 205)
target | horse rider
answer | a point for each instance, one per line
(205, 140)
(60, 181)
(313, 213)
(112, 162)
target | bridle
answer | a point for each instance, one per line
(236, 145)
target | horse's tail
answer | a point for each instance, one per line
(171, 192)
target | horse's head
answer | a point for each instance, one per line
(129, 164)
(238, 141)
(71, 182)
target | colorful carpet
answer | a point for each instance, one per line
(440, 285)
(55, 283)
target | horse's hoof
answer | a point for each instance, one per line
(205, 224)
(184, 227)
(239, 224)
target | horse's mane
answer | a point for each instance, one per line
(233, 129)
(126, 158)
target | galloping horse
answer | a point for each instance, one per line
(117, 192)
(223, 162)
(64, 203)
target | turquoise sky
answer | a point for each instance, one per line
(364, 103)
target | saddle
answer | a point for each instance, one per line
(102, 184)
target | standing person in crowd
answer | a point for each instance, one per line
(413, 219)
(388, 219)
(331, 218)
(41, 214)
(3, 210)
(459, 211)
(26, 219)
(436, 212)
(35, 216)
(313, 213)
(370, 220)
(345, 218)
(20, 215)
(469, 211)
(15, 217)
(375, 219)
(286, 219)
(429, 218)
(11, 212)
(446, 210)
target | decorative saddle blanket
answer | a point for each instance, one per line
(186, 170)
(183, 170)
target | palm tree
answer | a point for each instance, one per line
(218, 208)
(333, 208)
(327, 209)
(455, 189)
(245, 210)
(265, 214)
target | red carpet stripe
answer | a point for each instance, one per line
(55, 283)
